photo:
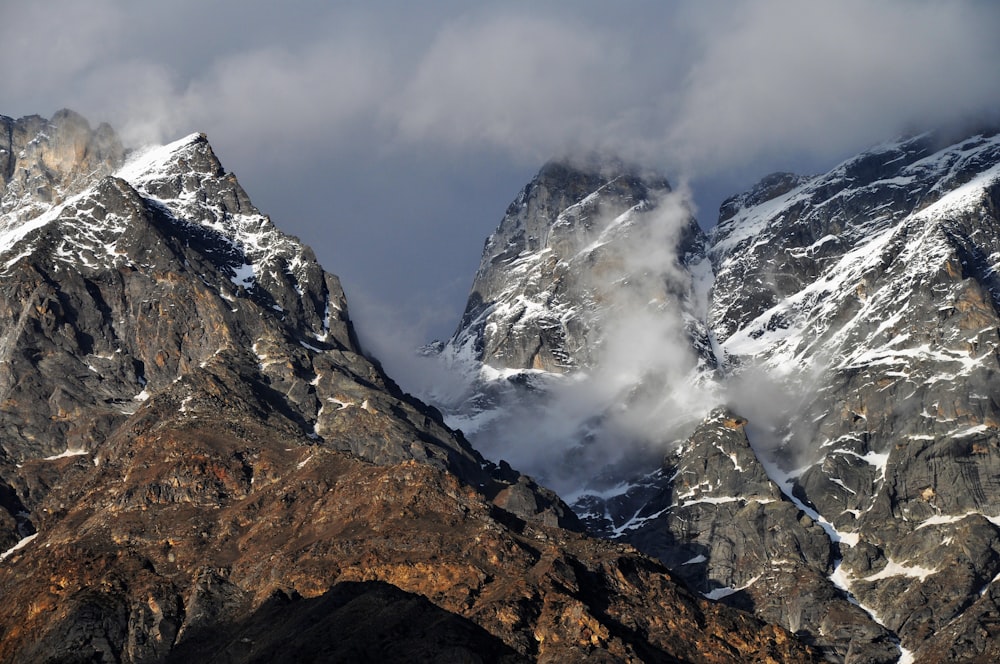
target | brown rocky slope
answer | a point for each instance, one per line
(230, 540)
(197, 463)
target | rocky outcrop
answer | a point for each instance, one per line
(883, 293)
(166, 268)
(852, 317)
(44, 161)
(714, 516)
(219, 538)
(566, 251)
(197, 462)
(136, 283)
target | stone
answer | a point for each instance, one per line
(214, 471)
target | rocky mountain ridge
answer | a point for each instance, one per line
(588, 258)
(198, 462)
(532, 296)
(851, 317)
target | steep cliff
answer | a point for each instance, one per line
(852, 319)
(199, 463)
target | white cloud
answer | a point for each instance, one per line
(312, 93)
(526, 83)
(713, 86)
(273, 97)
(781, 76)
(46, 45)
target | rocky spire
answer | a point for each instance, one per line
(559, 250)
(43, 162)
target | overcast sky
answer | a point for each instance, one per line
(390, 136)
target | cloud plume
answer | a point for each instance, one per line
(643, 388)
(713, 85)
(390, 136)
(781, 77)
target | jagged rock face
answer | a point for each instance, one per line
(713, 516)
(246, 535)
(886, 295)
(41, 161)
(561, 253)
(198, 463)
(864, 302)
(591, 262)
(163, 270)
(154, 273)
(853, 318)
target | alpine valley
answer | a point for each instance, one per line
(776, 442)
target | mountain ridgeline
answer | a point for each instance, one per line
(198, 463)
(811, 434)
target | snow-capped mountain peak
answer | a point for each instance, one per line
(852, 319)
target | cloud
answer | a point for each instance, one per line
(530, 84)
(318, 92)
(150, 109)
(786, 77)
(395, 337)
(273, 97)
(713, 86)
(48, 45)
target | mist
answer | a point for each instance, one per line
(391, 137)
(351, 123)
(644, 388)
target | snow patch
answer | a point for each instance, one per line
(726, 591)
(68, 453)
(243, 275)
(20, 545)
(893, 568)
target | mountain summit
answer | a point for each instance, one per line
(534, 295)
(198, 463)
(797, 413)
(591, 265)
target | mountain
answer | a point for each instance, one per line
(534, 299)
(824, 451)
(592, 261)
(199, 463)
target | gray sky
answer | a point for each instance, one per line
(390, 136)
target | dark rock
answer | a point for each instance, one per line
(854, 319)
(216, 471)
(718, 521)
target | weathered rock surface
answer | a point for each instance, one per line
(218, 538)
(713, 515)
(881, 288)
(562, 257)
(198, 463)
(42, 161)
(853, 318)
